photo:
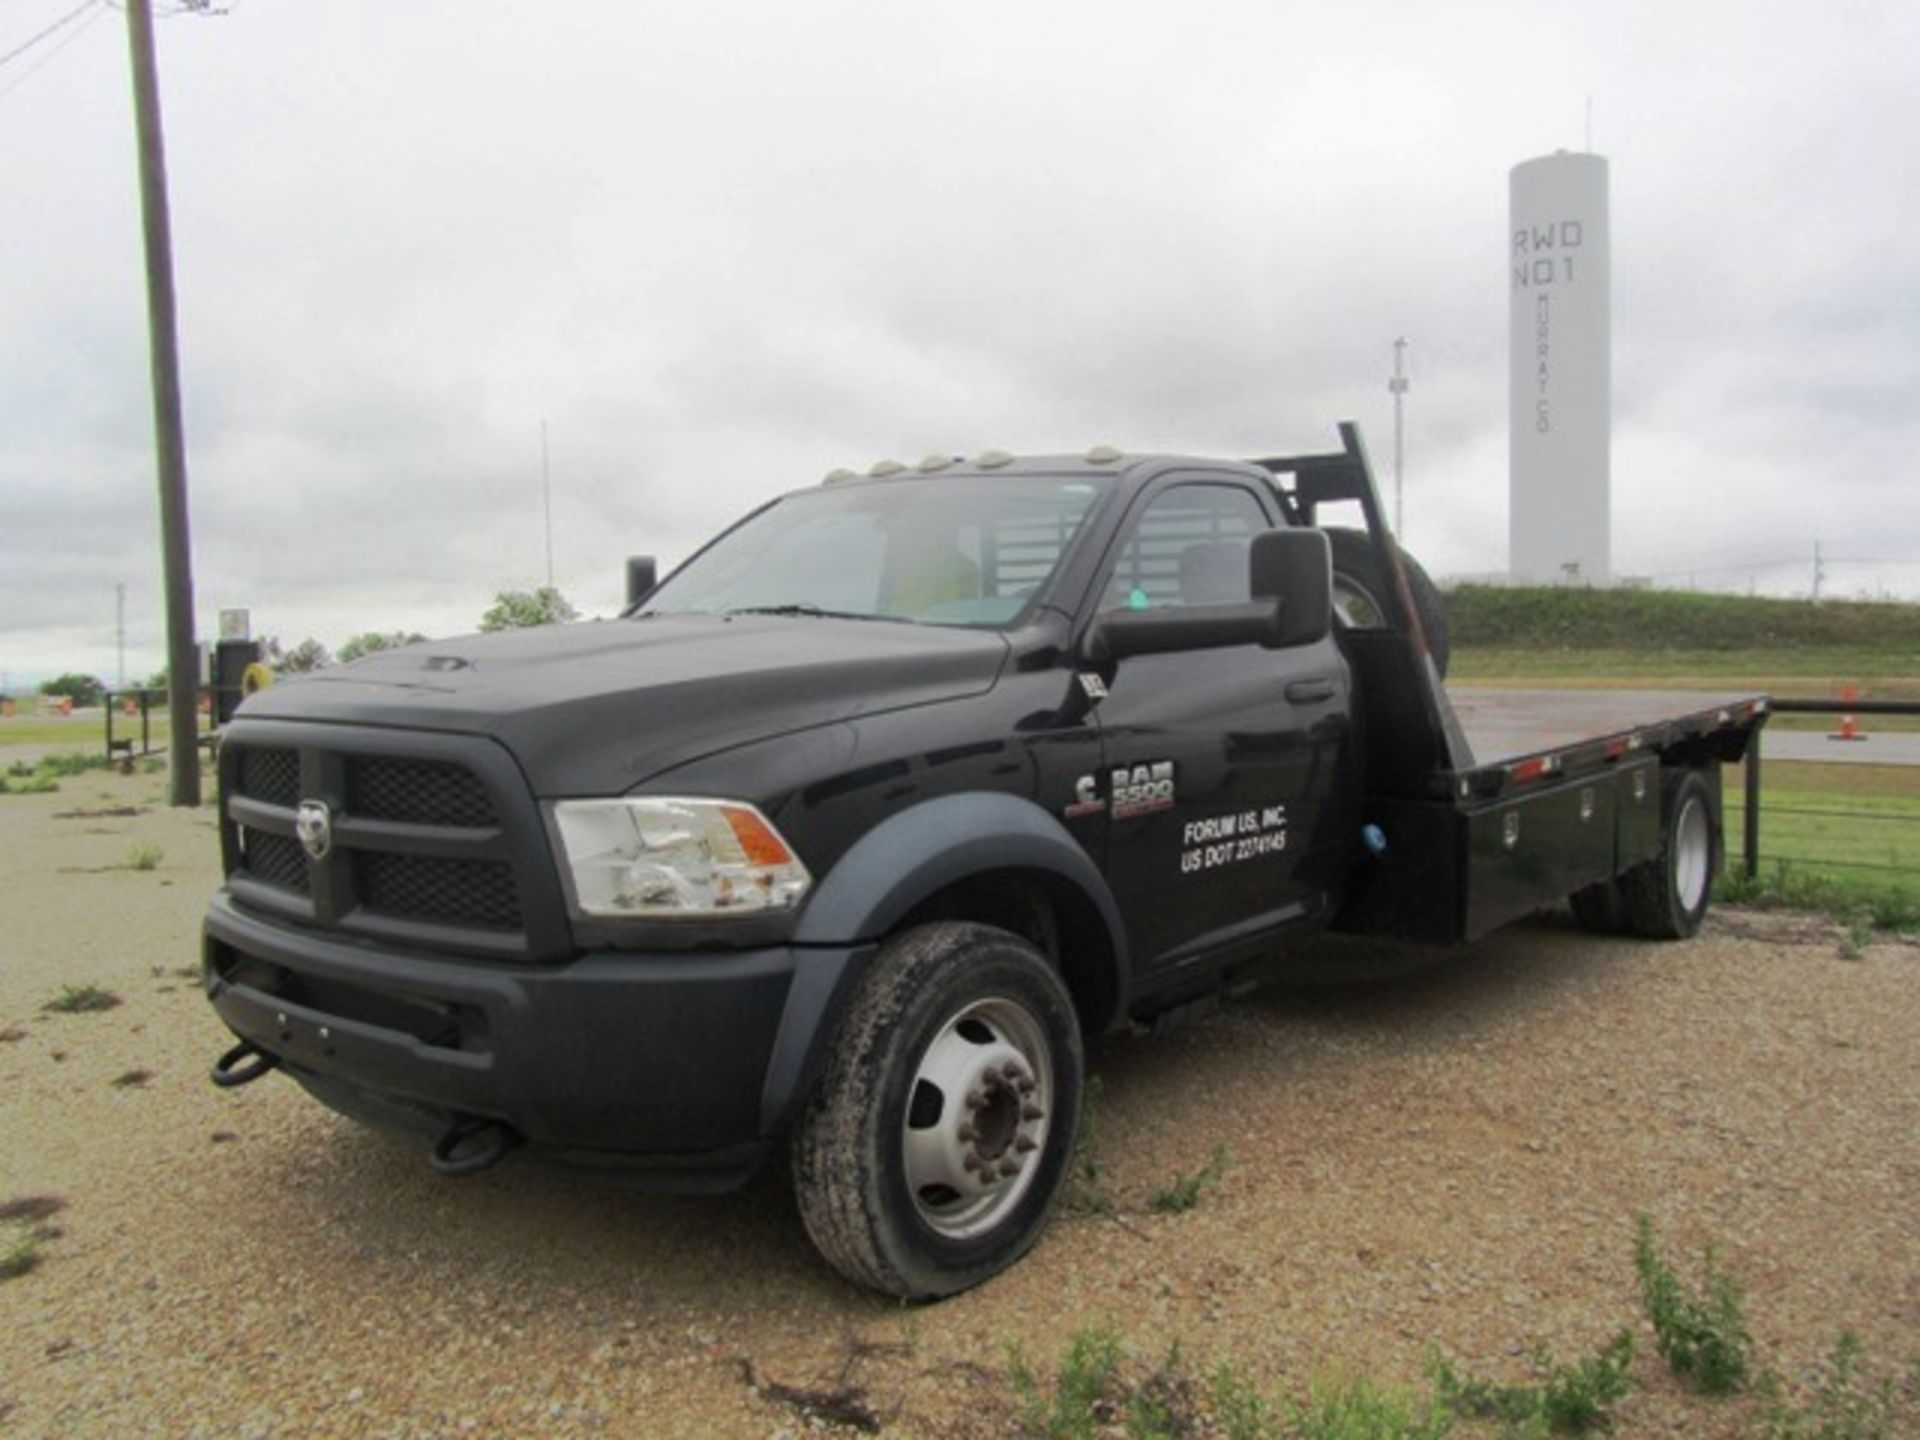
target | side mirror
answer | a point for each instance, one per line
(1295, 568)
(642, 575)
(1117, 634)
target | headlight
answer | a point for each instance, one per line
(676, 858)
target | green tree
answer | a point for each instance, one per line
(309, 655)
(516, 609)
(83, 690)
(372, 640)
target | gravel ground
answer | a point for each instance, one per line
(1452, 1159)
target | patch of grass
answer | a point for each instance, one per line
(145, 857)
(20, 1257)
(1647, 623)
(1782, 886)
(1240, 1411)
(1183, 1192)
(81, 1000)
(1573, 1399)
(1085, 1395)
(12, 1035)
(62, 767)
(1701, 1334)
(1358, 1409)
(37, 785)
(1090, 1192)
(1847, 1405)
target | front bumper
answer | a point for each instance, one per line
(656, 1060)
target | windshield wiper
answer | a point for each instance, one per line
(812, 612)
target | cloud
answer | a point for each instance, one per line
(719, 251)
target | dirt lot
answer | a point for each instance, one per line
(1450, 1160)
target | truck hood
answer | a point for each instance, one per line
(595, 708)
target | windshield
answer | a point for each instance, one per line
(966, 550)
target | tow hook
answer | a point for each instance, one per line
(472, 1144)
(242, 1065)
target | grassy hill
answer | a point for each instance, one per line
(1609, 636)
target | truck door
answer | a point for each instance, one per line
(1217, 764)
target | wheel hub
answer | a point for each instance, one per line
(977, 1117)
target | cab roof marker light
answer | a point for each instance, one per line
(883, 468)
(1103, 455)
(993, 459)
(839, 474)
(935, 463)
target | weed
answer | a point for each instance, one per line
(1360, 1410)
(1240, 1412)
(1565, 1400)
(80, 1000)
(1702, 1336)
(1184, 1192)
(64, 766)
(19, 1257)
(145, 857)
(1090, 1192)
(1846, 1405)
(1857, 904)
(1085, 1394)
(12, 1035)
(1859, 935)
(37, 785)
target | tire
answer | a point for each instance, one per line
(960, 1050)
(1666, 898)
(1361, 585)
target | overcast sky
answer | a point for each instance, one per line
(720, 249)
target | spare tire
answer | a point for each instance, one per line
(1361, 585)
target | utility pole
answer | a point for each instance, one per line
(1819, 570)
(1398, 386)
(183, 689)
(120, 633)
(546, 489)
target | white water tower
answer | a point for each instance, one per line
(1560, 417)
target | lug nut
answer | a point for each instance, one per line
(1009, 1167)
(976, 1098)
(966, 1134)
(1031, 1111)
(1026, 1144)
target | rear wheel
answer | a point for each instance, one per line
(1362, 585)
(935, 1146)
(1666, 898)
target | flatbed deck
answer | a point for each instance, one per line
(1516, 736)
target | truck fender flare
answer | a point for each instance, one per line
(889, 870)
(929, 846)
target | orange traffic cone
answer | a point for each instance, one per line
(1849, 726)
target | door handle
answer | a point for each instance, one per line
(1308, 692)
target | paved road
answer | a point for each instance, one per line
(1887, 747)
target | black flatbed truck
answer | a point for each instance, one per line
(842, 838)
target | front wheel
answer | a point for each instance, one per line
(936, 1144)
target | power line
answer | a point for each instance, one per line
(43, 60)
(53, 29)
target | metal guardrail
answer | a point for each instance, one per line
(1751, 837)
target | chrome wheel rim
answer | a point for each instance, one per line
(979, 1111)
(1692, 855)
